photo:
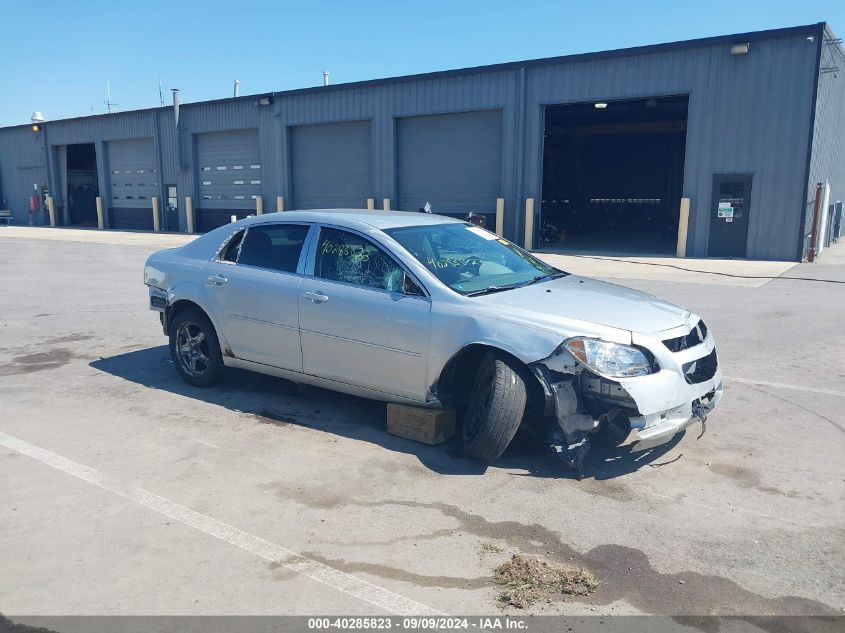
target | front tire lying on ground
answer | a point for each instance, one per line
(495, 409)
(194, 348)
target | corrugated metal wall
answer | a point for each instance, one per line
(827, 163)
(747, 114)
(22, 165)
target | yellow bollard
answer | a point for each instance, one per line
(371, 204)
(386, 203)
(280, 204)
(683, 227)
(529, 223)
(500, 217)
(101, 224)
(51, 208)
(156, 221)
(189, 214)
(259, 205)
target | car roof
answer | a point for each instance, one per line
(356, 218)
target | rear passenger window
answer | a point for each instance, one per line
(275, 247)
(230, 253)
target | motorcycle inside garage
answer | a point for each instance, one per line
(613, 176)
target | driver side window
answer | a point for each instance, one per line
(344, 256)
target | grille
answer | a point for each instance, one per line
(701, 369)
(695, 337)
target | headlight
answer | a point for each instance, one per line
(610, 359)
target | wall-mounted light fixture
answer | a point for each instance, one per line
(37, 121)
(740, 49)
(601, 105)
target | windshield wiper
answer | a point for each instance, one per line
(554, 275)
(491, 289)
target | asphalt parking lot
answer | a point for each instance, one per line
(124, 490)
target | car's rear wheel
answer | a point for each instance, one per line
(194, 348)
(495, 408)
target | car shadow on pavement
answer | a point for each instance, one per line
(270, 400)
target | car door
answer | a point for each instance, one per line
(363, 320)
(253, 286)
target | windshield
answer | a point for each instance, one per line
(470, 259)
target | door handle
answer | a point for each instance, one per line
(216, 280)
(315, 297)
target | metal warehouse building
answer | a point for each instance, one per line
(594, 151)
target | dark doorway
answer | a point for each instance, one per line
(82, 184)
(729, 209)
(613, 175)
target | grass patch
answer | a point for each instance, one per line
(526, 580)
(489, 548)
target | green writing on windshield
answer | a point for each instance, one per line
(355, 252)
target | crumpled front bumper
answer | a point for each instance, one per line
(658, 428)
(686, 387)
(675, 397)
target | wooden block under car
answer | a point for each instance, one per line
(429, 426)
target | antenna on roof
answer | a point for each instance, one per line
(109, 105)
(160, 95)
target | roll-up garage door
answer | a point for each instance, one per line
(332, 165)
(453, 161)
(134, 182)
(229, 176)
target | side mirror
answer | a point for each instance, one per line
(411, 288)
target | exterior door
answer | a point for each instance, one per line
(229, 176)
(729, 210)
(331, 165)
(134, 181)
(171, 211)
(253, 289)
(453, 161)
(357, 326)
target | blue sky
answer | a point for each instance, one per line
(57, 55)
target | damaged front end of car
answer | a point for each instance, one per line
(658, 385)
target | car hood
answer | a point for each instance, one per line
(583, 299)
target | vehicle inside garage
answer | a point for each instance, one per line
(82, 184)
(613, 175)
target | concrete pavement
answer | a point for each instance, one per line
(746, 520)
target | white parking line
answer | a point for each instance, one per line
(205, 443)
(329, 576)
(783, 385)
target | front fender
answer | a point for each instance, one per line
(450, 335)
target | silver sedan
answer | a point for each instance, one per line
(436, 312)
